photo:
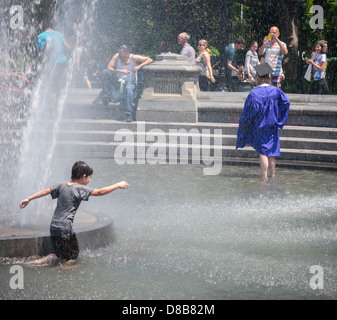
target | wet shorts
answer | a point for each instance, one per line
(66, 248)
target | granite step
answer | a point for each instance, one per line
(113, 148)
(195, 136)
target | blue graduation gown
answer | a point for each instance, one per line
(265, 112)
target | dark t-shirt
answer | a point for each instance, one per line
(231, 56)
(69, 199)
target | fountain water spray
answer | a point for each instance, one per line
(27, 166)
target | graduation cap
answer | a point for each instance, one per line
(263, 69)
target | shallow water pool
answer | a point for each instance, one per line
(182, 235)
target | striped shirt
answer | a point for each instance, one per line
(274, 56)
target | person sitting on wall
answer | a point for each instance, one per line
(121, 75)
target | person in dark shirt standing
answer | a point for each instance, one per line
(232, 69)
(69, 196)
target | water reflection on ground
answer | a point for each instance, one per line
(182, 235)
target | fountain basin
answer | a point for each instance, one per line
(93, 232)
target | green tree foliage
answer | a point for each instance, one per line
(143, 24)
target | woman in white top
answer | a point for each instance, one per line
(318, 61)
(252, 59)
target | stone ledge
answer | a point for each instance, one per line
(93, 231)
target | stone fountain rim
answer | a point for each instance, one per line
(102, 220)
(99, 234)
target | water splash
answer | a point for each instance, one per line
(29, 155)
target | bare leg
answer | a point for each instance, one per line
(69, 264)
(272, 164)
(45, 259)
(264, 164)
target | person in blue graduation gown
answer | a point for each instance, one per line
(265, 112)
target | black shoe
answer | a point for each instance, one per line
(106, 101)
(101, 102)
(128, 118)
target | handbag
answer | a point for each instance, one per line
(308, 74)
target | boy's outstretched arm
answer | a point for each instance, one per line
(36, 195)
(108, 189)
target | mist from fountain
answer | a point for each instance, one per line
(181, 235)
(27, 165)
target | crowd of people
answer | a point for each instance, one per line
(265, 111)
(272, 51)
(266, 108)
(120, 75)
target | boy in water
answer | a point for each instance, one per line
(69, 194)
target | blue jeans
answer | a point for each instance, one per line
(111, 87)
(129, 87)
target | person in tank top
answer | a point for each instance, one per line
(121, 75)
